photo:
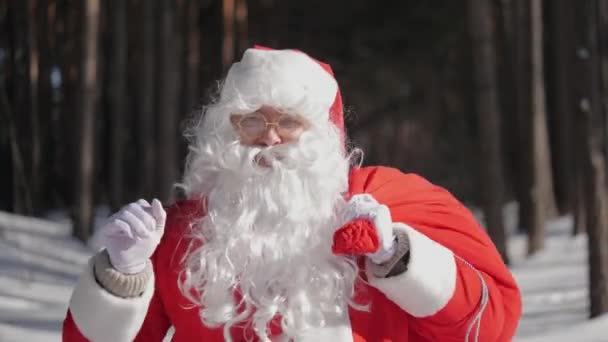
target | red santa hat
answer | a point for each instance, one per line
(293, 69)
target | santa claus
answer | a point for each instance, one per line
(284, 237)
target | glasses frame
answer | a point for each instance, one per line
(304, 124)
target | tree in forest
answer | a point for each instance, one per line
(191, 32)
(211, 43)
(590, 137)
(146, 143)
(117, 87)
(534, 185)
(542, 189)
(560, 41)
(229, 39)
(17, 106)
(168, 100)
(481, 27)
(83, 215)
(241, 17)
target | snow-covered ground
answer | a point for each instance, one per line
(39, 265)
(40, 262)
(554, 289)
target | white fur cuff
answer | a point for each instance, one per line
(102, 316)
(430, 280)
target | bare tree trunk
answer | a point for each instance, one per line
(591, 135)
(192, 55)
(580, 211)
(229, 41)
(117, 84)
(18, 102)
(22, 97)
(35, 152)
(66, 153)
(212, 26)
(83, 218)
(536, 197)
(168, 101)
(190, 97)
(47, 109)
(523, 181)
(481, 27)
(568, 172)
(242, 28)
(542, 152)
(602, 32)
(505, 34)
(146, 144)
(562, 41)
(11, 86)
(580, 88)
(6, 171)
(539, 132)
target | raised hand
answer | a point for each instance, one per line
(132, 234)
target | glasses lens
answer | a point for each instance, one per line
(253, 125)
(289, 124)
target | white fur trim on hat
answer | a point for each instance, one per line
(285, 79)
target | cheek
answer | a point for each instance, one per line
(293, 136)
(245, 140)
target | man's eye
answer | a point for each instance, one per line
(252, 123)
(290, 123)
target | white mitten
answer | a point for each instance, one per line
(365, 206)
(132, 234)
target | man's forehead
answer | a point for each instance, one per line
(271, 111)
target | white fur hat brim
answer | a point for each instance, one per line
(286, 79)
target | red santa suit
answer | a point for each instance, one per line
(456, 282)
(456, 286)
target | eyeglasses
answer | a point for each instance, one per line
(255, 124)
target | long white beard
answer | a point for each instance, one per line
(267, 236)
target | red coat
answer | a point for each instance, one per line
(452, 260)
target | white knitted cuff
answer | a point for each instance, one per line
(117, 283)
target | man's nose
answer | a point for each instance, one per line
(271, 137)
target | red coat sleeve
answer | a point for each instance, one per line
(453, 262)
(70, 332)
(156, 322)
(154, 328)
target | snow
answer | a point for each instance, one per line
(40, 263)
(553, 283)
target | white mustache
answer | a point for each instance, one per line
(286, 155)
